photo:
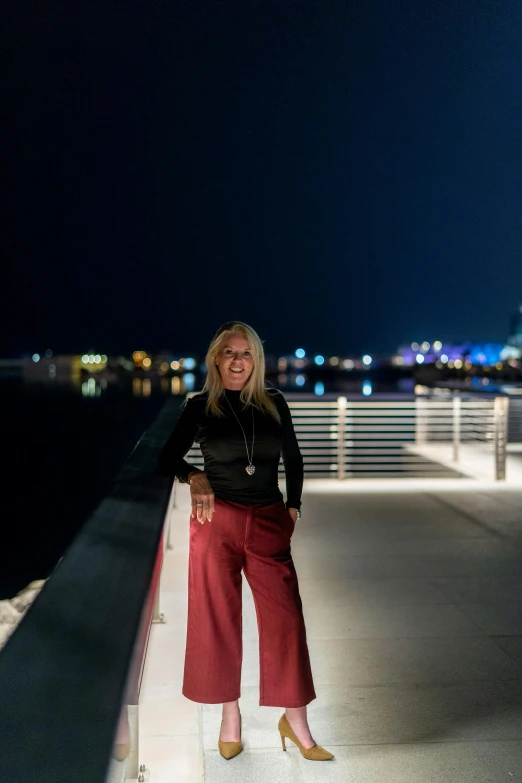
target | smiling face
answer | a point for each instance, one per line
(235, 361)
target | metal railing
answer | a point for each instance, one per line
(71, 672)
(344, 438)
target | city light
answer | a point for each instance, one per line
(36, 357)
(300, 353)
(319, 388)
(334, 361)
(425, 347)
(189, 363)
(300, 379)
(415, 346)
(319, 359)
(189, 380)
(458, 364)
(437, 345)
(174, 365)
(367, 360)
(419, 358)
(367, 388)
(138, 357)
(348, 364)
(443, 358)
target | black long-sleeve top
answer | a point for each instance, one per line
(223, 447)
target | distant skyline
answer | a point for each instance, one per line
(345, 178)
(201, 347)
(309, 354)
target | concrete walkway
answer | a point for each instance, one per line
(413, 606)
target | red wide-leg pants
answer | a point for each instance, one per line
(255, 539)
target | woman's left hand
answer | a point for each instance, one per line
(293, 513)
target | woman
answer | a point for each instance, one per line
(239, 521)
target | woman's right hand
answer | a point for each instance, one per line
(201, 492)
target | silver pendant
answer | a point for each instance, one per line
(250, 469)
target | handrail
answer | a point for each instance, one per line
(77, 655)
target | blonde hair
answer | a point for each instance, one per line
(254, 391)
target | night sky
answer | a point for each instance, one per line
(344, 176)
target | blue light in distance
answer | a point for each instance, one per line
(419, 358)
(367, 388)
(319, 388)
(189, 380)
(300, 353)
(189, 363)
(367, 360)
(319, 359)
(299, 379)
(485, 354)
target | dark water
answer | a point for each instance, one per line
(62, 451)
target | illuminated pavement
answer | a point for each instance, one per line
(412, 601)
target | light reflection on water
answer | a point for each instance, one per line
(180, 385)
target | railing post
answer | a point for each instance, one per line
(348, 440)
(132, 768)
(157, 615)
(500, 417)
(457, 408)
(172, 504)
(420, 420)
(341, 424)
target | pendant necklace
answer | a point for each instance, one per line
(249, 468)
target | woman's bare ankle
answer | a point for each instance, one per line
(231, 708)
(230, 726)
(297, 715)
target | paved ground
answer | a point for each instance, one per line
(413, 606)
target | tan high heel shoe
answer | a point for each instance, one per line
(230, 749)
(315, 753)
